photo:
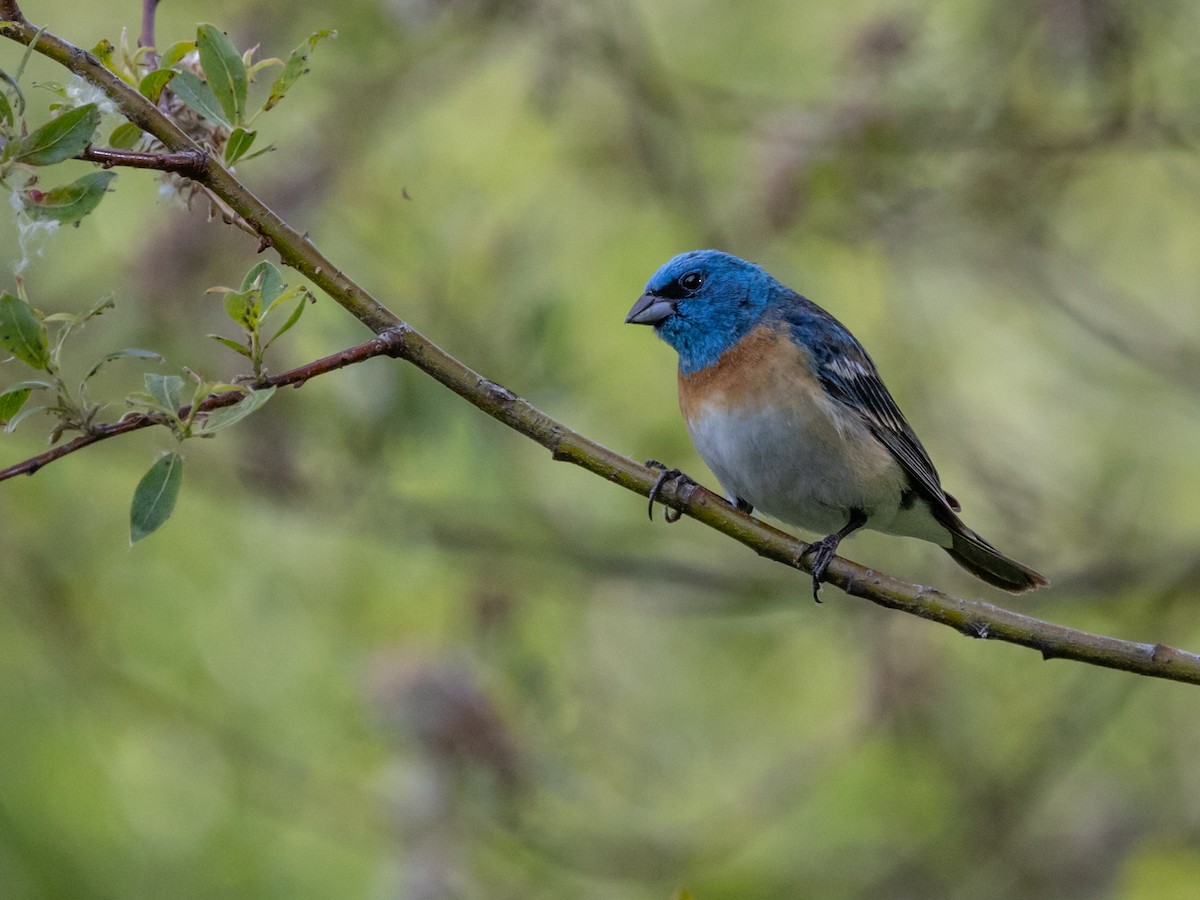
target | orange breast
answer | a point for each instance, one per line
(765, 368)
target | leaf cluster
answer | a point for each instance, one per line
(205, 84)
(213, 80)
(205, 76)
(62, 138)
(179, 403)
(262, 292)
(37, 340)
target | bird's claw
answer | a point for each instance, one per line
(670, 514)
(822, 553)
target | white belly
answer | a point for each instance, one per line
(797, 465)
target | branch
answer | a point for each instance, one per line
(382, 345)
(293, 247)
(970, 617)
(186, 162)
(146, 38)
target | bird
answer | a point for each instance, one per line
(786, 408)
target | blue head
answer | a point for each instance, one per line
(702, 303)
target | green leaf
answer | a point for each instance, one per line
(287, 296)
(291, 320)
(22, 416)
(68, 202)
(296, 65)
(153, 83)
(6, 113)
(267, 279)
(270, 148)
(167, 390)
(243, 307)
(138, 58)
(98, 308)
(15, 88)
(229, 415)
(22, 333)
(127, 353)
(232, 345)
(32, 384)
(222, 387)
(239, 142)
(199, 96)
(225, 71)
(11, 402)
(59, 139)
(13, 397)
(125, 136)
(141, 398)
(174, 54)
(155, 496)
(253, 68)
(105, 51)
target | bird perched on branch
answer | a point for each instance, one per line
(788, 411)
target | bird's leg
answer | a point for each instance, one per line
(671, 515)
(823, 550)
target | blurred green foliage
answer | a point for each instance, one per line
(386, 648)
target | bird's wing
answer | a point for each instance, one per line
(848, 375)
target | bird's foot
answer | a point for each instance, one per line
(824, 549)
(670, 514)
(822, 553)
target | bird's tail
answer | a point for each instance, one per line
(984, 561)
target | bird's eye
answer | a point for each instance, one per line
(691, 281)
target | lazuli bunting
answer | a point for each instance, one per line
(788, 411)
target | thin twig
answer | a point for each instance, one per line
(970, 617)
(381, 345)
(146, 38)
(188, 163)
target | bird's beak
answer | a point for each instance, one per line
(650, 310)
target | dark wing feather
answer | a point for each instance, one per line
(847, 373)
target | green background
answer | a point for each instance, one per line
(386, 648)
